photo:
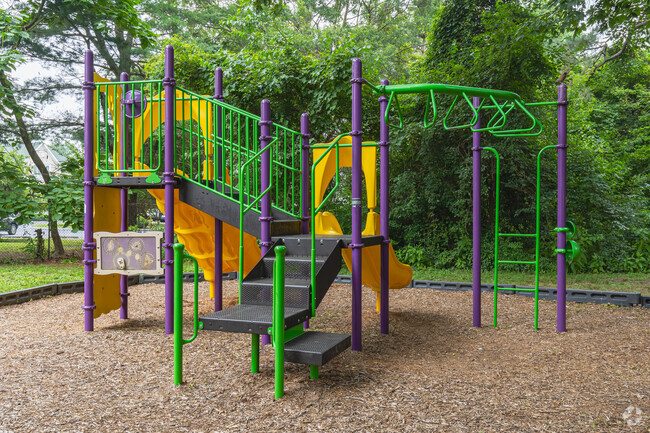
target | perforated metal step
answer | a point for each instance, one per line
(251, 319)
(315, 348)
(260, 292)
(298, 267)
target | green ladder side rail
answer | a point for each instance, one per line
(495, 126)
(179, 341)
(536, 236)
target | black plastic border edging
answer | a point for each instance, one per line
(624, 299)
(33, 293)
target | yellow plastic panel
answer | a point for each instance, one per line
(399, 274)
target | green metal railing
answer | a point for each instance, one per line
(314, 209)
(536, 235)
(179, 341)
(112, 122)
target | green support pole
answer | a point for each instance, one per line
(313, 372)
(179, 342)
(278, 319)
(255, 353)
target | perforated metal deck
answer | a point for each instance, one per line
(251, 319)
(315, 348)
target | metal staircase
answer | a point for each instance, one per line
(254, 313)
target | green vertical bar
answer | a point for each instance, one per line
(313, 372)
(99, 125)
(255, 353)
(278, 318)
(183, 135)
(538, 229)
(178, 313)
(496, 232)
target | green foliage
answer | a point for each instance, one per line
(28, 198)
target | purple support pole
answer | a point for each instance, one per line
(561, 204)
(168, 179)
(265, 218)
(384, 144)
(124, 194)
(356, 245)
(476, 219)
(305, 172)
(306, 185)
(88, 244)
(218, 224)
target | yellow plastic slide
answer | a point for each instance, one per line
(195, 229)
(400, 274)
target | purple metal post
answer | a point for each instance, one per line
(124, 193)
(218, 224)
(356, 245)
(305, 171)
(265, 218)
(476, 219)
(306, 185)
(384, 144)
(168, 179)
(561, 204)
(88, 244)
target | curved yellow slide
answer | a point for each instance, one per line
(195, 228)
(399, 274)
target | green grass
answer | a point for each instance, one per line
(16, 277)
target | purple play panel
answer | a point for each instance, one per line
(128, 253)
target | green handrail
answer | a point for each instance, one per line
(179, 342)
(277, 332)
(243, 190)
(315, 210)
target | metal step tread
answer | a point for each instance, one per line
(367, 241)
(288, 282)
(251, 319)
(297, 258)
(315, 348)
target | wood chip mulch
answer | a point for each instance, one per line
(434, 372)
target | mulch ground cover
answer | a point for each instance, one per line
(434, 372)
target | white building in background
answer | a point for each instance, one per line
(51, 158)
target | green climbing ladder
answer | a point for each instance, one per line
(498, 235)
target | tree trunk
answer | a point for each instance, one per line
(56, 238)
(29, 146)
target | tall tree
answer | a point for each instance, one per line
(55, 32)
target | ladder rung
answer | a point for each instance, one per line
(515, 262)
(523, 235)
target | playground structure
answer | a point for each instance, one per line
(221, 191)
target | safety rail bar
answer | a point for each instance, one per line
(113, 125)
(314, 210)
(179, 341)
